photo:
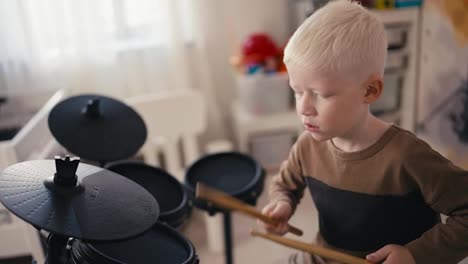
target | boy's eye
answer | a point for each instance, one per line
(323, 95)
(317, 95)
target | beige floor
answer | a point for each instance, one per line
(248, 249)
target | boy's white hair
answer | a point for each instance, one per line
(341, 37)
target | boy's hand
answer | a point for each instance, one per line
(391, 254)
(280, 210)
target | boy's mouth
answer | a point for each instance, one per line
(311, 127)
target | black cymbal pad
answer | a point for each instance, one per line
(104, 206)
(97, 128)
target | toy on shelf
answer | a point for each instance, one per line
(259, 44)
(384, 4)
(260, 54)
(388, 4)
(407, 3)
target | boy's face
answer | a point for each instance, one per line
(329, 105)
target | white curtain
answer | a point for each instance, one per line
(118, 47)
(115, 47)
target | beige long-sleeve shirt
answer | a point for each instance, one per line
(389, 193)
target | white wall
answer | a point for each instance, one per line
(244, 17)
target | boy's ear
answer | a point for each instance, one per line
(373, 89)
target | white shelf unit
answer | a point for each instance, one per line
(409, 19)
(247, 124)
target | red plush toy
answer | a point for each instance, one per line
(260, 46)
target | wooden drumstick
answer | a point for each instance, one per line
(313, 249)
(226, 201)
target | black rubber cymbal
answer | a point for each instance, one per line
(92, 204)
(97, 128)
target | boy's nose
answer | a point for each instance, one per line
(307, 106)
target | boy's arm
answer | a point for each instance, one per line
(288, 185)
(445, 188)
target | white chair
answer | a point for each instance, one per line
(173, 120)
(33, 141)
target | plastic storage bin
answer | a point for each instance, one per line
(390, 99)
(262, 94)
(396, 36)
(396, 60)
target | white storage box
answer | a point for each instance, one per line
(390, 99)
(396, 36)
(396, 60)
(261, 94)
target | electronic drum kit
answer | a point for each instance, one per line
(117, 211)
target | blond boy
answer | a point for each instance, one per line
(378, 189)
